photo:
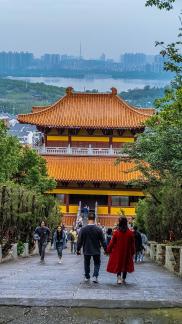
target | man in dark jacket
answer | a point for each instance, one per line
(91, 238)
(42, 235)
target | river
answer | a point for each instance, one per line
(100, 84)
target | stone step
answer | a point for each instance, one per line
(106, 220)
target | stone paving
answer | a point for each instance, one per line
(64, 315)
(29, 283)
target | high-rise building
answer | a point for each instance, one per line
(133, 61)
(50, 60)
(103, 57)
(15, 60)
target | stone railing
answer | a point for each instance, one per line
(170, 256)
(13, 253)
(84, 151)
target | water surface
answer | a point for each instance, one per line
(100, 84)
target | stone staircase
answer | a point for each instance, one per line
(107, 220)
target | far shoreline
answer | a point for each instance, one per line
(92, 76)
(102, 84)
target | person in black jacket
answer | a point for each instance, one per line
(138, 243)
(91, 238)
(59, 240)
(42, 235)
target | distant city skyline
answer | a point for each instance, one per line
(138, 64)
(113, 28)
(102, 55)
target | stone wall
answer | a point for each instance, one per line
(13, 255)
(168, 256)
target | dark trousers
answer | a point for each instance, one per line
(42, 247)
(137, 255)
(85, 215)
(59, 248)
(87, 259)
(124, 275)
(73, 247)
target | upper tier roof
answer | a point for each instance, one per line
(88, 110)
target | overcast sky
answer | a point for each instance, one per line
(109, 26)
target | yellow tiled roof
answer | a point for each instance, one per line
(96, 169)
(39, 108)
(88, 110)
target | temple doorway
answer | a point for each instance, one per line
(89, 200)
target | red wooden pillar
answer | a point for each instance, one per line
(109, 204)
(45, 136)
(110, 140)
(45, 139)
(69, 139)
(67, 202)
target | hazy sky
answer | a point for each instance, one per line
(109, 26)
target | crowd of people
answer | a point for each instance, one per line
(125, 245)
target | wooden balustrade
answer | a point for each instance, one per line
(69, 220)
(108, 221)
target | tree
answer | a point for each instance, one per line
(149, 219)
(171, 207)
(160, 144)
(141, 215)
(21, 210)
(23, 185)
(22, 164)
(158, 155)
(9, 146)
(32, 171)
(161, 4)
(173, 57)
(171, 52)
(157, 152)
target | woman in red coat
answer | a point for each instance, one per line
(121, 250)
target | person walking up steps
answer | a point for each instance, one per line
(91, 238)
(121, 250)
(59, 241)
(42, 235)
(85, 212)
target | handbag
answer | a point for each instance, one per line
(36, 237)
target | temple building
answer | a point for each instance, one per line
(83, 135)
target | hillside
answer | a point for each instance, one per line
(142, 97)
(19, 96)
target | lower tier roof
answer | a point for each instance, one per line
(91, 169)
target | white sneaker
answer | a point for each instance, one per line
(60, 262)
(95, 279)
(87, 279)
(119, 280)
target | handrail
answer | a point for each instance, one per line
(79, 218)
(79, 210)
(96, 216)
(79, 151)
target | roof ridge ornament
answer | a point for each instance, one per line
(114, 91)
(69, 91)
